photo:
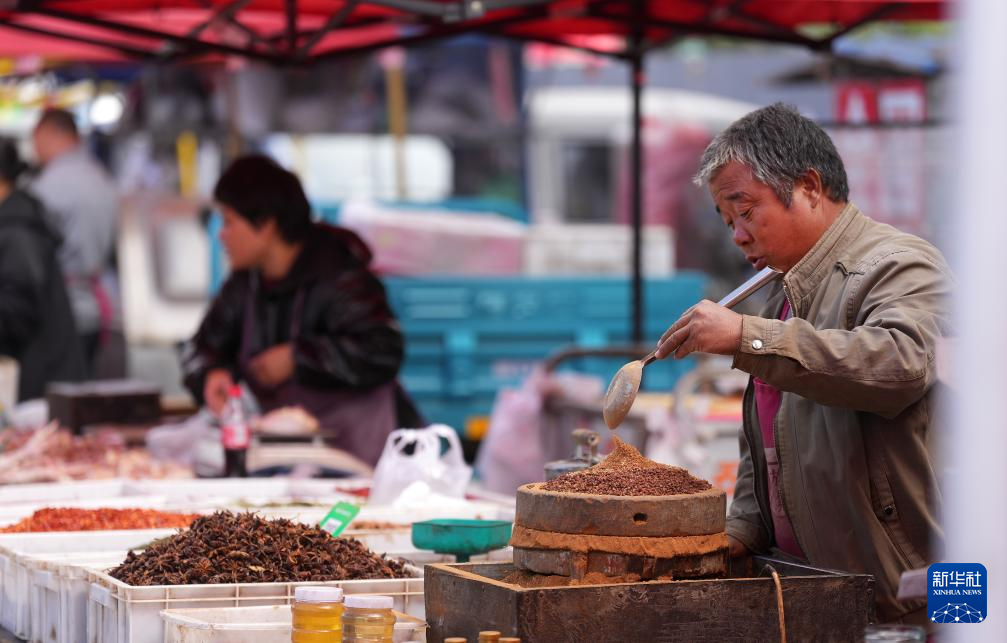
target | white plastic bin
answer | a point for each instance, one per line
(14, 572)
(121, 613)
(259, 624)
(57, 603)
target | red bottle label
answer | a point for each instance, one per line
(235, 436)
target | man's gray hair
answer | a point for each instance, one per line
(779, 146)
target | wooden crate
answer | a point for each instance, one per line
(77, 405)
(819, 605)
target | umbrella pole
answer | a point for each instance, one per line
(636, 171)
(393, 60)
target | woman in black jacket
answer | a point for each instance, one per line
(36, 324)
(301, 320)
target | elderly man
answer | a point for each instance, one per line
(835, 467)
(82, 205)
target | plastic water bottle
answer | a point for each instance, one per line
(368, 619)
(235, 435)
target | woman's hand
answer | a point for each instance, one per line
(273, 366)
(215, 388)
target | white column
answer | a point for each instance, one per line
(975, 500)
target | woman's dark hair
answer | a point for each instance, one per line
(11, 165)
(258, 189)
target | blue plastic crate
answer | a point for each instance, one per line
(466, 338)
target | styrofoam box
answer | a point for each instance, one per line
(467, 509)
(217, 491)
(49, 492)
(14, 572)
(595, 249)
(121, 613)
(224, 491)
(384, 541)
(259, 624)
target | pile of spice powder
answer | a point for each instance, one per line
(245, 548)
(74, 519)
(625, 472)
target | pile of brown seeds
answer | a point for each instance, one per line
(625, 472)
(245, 548)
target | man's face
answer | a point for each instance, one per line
(41, 140)
(767, 231)
(245, 244)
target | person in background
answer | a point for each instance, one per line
(82, 204)
(36, 323)
(301, 320)
(837, 467)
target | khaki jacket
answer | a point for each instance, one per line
(856, 367)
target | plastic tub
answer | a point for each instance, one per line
(57, 603)
(259, 624)
(16, 551)
(121, 613)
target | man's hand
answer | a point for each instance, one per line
(705, 328)
(737, 548)
(218, 383)
(273, 366)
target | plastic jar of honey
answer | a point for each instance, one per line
(368, 619)
(317, 615)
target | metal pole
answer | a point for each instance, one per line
(636, 169)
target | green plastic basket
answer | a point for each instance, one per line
(462, 538)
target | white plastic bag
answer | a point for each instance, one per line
(511, 453)
(445, 474)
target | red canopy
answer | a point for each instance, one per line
(304, 31)
(301, 31)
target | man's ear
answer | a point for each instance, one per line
(810, 185)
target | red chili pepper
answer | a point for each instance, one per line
(73, 519)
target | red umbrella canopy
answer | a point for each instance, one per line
(300, 31)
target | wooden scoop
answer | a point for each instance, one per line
(625, 385)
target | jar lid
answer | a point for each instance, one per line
(370, 602)
(318, 594)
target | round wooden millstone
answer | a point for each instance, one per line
(651, 546)
(693, 514)
(580, 564)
